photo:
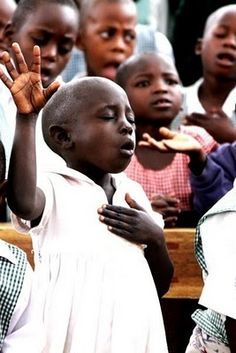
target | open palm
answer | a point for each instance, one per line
(25, 83)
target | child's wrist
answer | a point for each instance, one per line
(197, 162)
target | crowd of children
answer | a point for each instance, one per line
(95, 168)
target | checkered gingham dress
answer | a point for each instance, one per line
(11, 281)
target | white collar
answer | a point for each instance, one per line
(6, 252)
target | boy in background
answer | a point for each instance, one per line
(210, 102)
(155, 94)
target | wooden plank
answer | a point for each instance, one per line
(23, 241)
(187, 279)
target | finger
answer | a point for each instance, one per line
(132, 203)
(23, 68)
(114, 223)
(36, 66)
(5, 79)
(117, 212)
(168, 199)
(9, 66)
(167, 133)
(170, 222)
(51, 89)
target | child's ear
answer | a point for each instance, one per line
(198, 46)
(61, 137)
(8, 33)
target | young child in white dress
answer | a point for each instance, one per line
(93, 240)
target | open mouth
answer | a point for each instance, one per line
(162, 103)
(110, 70)
(227, 59)
(127, 148)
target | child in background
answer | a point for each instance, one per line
(212, 175)
(154, 91)
(53, 25)
(7, 8)
(90, 263)
(109, 34)
(210, 102)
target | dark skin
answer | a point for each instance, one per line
(153, 88)
(218, 54)
(134, 223)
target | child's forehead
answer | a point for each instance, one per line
(108, 9)
(225, 16)
(150, 61)
(44, 12)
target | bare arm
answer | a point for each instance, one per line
(24, 198)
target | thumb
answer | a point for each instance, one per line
(166, 133)
(132, 203)
(51, 89)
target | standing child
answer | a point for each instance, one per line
(210, 102)
(88, 232)
(154, 91)
(53, 25)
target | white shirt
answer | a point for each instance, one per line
(193, 105)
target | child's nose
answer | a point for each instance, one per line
(230, 41)
(120, 44)
(50, 51)
(126, 127)
(160, 86)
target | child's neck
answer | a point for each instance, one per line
(151, 128)
(148, 158)
(106, 183)
(213, 92)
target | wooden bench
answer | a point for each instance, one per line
(187, 279)
(23, 241)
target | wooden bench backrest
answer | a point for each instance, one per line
(187, 280)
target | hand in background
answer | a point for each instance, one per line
(172, 141)
(168, 207)
(25, 83)
(216, 123)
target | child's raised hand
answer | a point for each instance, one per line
(168, 206)
(216, 123)
(172, 142)
(25, 83)
(133, 224)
